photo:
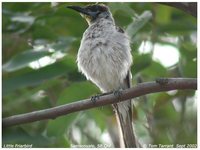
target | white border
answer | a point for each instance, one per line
(198, 41)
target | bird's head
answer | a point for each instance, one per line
(93, 12)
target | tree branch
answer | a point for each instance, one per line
(189, 7)
(141, 89)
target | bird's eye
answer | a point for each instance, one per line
(101, 8)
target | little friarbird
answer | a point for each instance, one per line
(104, 57)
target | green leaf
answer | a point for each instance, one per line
(163, 14)
(121, 7)
(23, 59)
(20, 7)
(36, 77)
(140, 62)
(58, 126)
(165, 114)
(189, 69)
(17, 135)
(43, 32)
(100, 114)
(138, 23)
(155, 70)
(63, 43)
(188, 50)
(77, 91)
(176, 28)
(122, 19)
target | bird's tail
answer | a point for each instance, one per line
(123, 112)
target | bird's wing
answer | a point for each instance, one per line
(119, 29)
(124, 113)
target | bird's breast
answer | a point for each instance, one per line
(104, 60)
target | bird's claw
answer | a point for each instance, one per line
(162, 81)
(117, 93)
(95, 98)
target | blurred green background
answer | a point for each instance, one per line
(40, 43)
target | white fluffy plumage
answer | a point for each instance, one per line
(104, 56)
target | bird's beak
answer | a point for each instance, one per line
(82, 10)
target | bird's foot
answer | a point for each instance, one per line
(162, 81)
(95, 98)
(118, 93)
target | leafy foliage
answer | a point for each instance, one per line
(40, 43)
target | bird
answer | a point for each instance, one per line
(105, 58)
